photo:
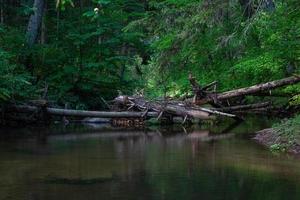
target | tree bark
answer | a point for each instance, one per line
(243, 107)
(258, 88)
(249, 90)
(170, 107)
(1, 11)
(34, 22)
(80, 113)
(43, 27)
(57, 23)
(122, 70)
(247, 8)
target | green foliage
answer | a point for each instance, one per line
(251, 71)
(92, 49)
(277, 148)
(86, 54)
(13, 80)
(288, 132)
(295, 100)
(214, 41)
(61, 4)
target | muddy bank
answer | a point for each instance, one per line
(269, 138)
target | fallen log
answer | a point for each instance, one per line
(170, 107)
(273, 94)
(146, 109)
(142, 108)
(164, 107)
(202, 93)
(243, 107)
(80, 113)
(259, 88)
(212, 84)
(215, 112)
(264, 111)
(245, 91)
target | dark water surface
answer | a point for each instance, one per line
(75, 163)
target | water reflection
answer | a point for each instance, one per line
(154, 163)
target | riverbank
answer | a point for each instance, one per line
(283, 136)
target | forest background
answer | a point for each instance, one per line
(85, 51)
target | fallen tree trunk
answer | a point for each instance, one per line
(273, 94)
(215, 112)
(170, 107)
(80, 113)
(247, 90)
(265, 111)
(243, 107)
(259, 87)
(143, 109)
(162, 108)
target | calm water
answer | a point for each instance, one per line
(83, 162)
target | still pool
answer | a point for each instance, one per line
(99, 162)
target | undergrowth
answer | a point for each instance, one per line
(288, 132)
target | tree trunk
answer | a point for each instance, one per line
(80, 113)
(1, 11)
(43, 28)
(170, 107)
(57, 24)
(34, 22)
(258, 88)
(243, 107)
(247, 90)
(247, 8)
(122, 70)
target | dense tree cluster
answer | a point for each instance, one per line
(84, 51)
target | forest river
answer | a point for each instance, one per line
(89, 162)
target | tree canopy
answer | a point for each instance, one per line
(85, 51)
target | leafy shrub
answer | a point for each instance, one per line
(259, 69)
(295, 100)
(14, 82)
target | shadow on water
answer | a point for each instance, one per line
(172, 162)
